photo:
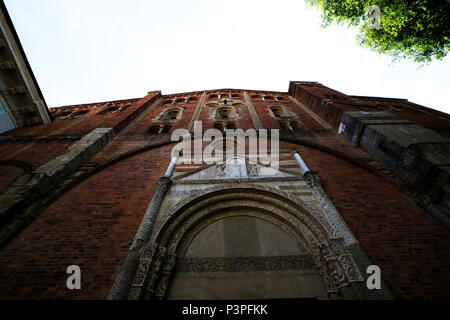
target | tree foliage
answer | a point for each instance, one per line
(414, 29)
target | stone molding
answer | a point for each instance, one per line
(253, 114)
(338, 224)
(244, 264)
(31, 186)
(197, 112)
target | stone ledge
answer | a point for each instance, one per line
(29, 187)
(418, 156)
(77, 154)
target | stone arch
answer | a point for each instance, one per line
(284, 125)
(225, 112)
(153, 129)
(192, 99)
(62, 114)
(109, 110)
(171, 114)
(179, 100)
(279, 111)
(80, 112)
(212, 105)
(172, 234)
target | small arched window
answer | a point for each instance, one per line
(78, 113)
(268, 98)
(110, 109)
(219, 126)
(192, 99)
(62, 114)
(170, 114)
(231, 125)
(166, 128)
(294, 125)
(280, 112)
(224, 113)
(257, 97)
(180, 100)
(284, 125)
(154, 129)
(167, 102)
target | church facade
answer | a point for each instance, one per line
(337, 188)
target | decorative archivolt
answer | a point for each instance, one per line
(305, 225)
(219, 197)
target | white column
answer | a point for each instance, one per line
(171, 167)
(301, 163)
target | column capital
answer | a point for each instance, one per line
(164, 183)
(312, 179)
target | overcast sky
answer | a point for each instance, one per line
(84, 51)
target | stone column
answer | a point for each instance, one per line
(312, 179)
(124, 280)
(348, 252)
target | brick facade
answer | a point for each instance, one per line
(91, 217)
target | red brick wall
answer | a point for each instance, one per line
(94, 223)
(91, 226)
(305, 121)
(34, 153)
(409, 245)
(329, 104)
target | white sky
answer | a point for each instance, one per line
(84, 51)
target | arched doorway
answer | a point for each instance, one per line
(242, 256)
(243, 242)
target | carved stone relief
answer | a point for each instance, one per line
(306, 225)
(245, 264)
